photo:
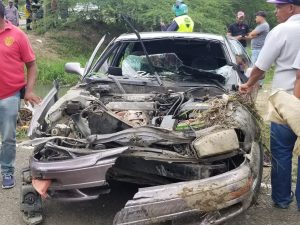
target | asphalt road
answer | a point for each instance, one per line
(100, 212)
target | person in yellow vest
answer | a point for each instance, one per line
(28, 14)
(182, 22)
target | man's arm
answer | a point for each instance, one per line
(173, 27)
(256, 75)
(252, 34)
(229, 34)
(17, 16)
(297, 85)
(31, 77)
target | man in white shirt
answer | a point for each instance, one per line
(297, 82)
(280, 48)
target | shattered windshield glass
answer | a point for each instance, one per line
(137, 65)
(172, 60)
(169, 67)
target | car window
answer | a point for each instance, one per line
(242, 58)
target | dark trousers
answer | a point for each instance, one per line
(28, 22)
(282, 144)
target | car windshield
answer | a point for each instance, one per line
(174, 60)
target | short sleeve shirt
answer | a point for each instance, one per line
(15, 51)
(239, 29)
(11, 14)
(296, 64)
(281, 48)
(262, 30)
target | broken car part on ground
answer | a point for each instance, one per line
(174, 127)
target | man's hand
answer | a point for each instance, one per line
(31, 98)
(256, 75)
(239, 37)
(245, 88)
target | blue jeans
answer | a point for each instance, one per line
(9, 108)
(255, 53)
(254, 56)
(282, 144)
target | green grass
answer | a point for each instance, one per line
(53, 69)
(21, 134)
(269, 76)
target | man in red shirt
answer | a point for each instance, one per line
(15, 52)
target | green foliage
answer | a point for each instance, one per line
(250, 7)
(53, 69)
(209, 16)
(90, 17)
(269, 76)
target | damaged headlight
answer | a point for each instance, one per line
(216, 143)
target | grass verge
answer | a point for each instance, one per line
(53, 69)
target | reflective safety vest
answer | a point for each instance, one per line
(185, 23)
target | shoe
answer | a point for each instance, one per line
(280, 206)
(284, 206)
(8, 181)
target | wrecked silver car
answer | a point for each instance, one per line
(160, 111)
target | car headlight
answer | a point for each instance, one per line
(216, 143)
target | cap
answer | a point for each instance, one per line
(295, 2)
(240, 14)
(261, 13)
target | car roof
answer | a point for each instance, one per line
(163, 35)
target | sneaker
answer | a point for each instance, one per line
(8, 181)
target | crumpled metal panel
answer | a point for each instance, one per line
(40, 110)
(142, 136)
(166, 202)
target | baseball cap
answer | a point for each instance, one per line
(240, 14)
(261, 13)
(295, 2)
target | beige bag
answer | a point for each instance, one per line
(284, 108)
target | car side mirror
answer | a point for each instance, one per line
(74, 67)
(116, 71)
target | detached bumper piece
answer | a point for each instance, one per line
(185, 199)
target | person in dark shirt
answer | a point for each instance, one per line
(239, 30)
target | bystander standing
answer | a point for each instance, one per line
(11, 13)
(239, 30)
(15, 53)
(182, 22)
(28, 14)
(281, 47)
(258, 35)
